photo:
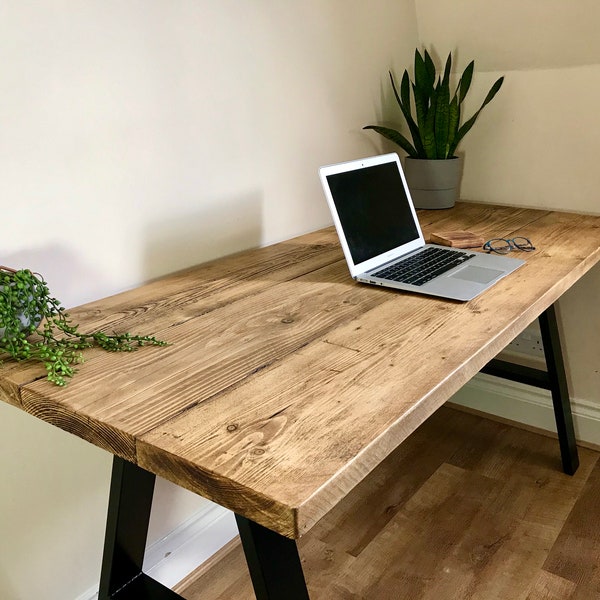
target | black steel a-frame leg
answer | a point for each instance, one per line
(273, 562)
(129, 506)
(273, 559)
(559, 389)
(553, 379)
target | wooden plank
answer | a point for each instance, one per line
(13, 375)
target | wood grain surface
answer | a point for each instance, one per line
(285, 382)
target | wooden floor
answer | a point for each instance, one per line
(466, 508)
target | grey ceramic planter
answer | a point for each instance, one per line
(433, 183)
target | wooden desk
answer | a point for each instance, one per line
(286, 382)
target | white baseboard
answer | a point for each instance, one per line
(179, 553)
(192, 543)
(529, 405)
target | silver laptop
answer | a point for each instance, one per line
(382, 240)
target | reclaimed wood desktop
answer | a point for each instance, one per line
(286, 383)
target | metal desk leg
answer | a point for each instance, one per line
(553, 379)
(559, 389)
(273, 562)
(273, 559)
(129, 506)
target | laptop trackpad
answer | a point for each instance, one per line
(477, 274)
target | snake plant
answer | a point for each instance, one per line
(435, 129)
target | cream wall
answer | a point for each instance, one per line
(537, 143)
(140, 137)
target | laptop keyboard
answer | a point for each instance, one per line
(424, 266)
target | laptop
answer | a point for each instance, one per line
(382, 240)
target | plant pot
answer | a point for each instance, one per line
(26, 318)
(433, 183)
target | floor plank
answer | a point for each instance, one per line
(576, 554)
(551, 587)
(467, 508)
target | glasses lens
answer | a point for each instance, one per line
(498, 245)
(523, 243)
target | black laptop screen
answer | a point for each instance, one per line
(373, 209)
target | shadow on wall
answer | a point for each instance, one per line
(64, 271)
(224, 227)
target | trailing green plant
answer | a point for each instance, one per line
(35, 326)
(436, 128)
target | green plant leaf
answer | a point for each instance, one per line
(453, 122)
(447, 70)
(404, 102)
(465, 81)
(442, 113)
(430, 70)
(396, 137)
(421, 75)
(428, 129)
(423, 88)
(404, 89)
(464, 129)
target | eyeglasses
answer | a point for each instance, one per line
(504, 246)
